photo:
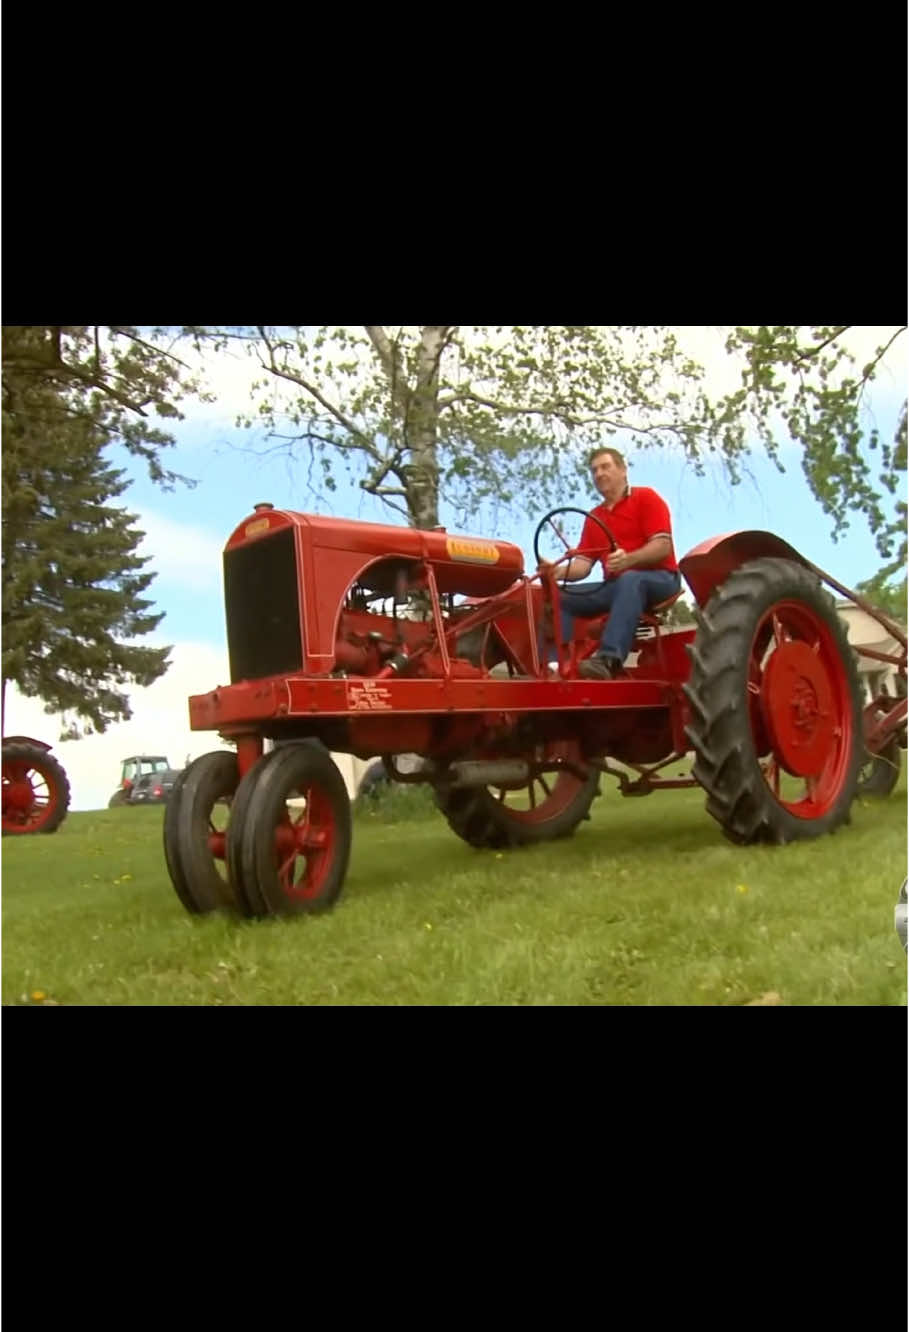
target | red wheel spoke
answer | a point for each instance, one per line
(286, 864)
(542, 782)
(310, 838)
(531, 793)
(771, 771)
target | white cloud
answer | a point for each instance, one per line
(229, 375)
(181, 552)
(159, 725)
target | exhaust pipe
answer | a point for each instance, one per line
(489, 772)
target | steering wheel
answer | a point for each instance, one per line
(547, 519)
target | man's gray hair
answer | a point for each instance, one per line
(613, 453)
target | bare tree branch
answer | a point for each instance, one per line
(383, 466)
(375, 489)
(158, 351)
(443, 336)
(813, 351)
(379, 340)
(343, 445)
(547, 409)
(390, 358)
(366, 444)
(869, 368)
(397, 508)
(64, 371)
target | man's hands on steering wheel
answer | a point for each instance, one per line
(548, 525)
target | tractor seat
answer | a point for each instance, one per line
(654, 615)
(659, 606)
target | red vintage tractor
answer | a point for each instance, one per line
(35, 787)
(376, 640)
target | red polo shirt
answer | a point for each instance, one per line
(639, 515)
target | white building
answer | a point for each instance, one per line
(352, 770)
(864, 631)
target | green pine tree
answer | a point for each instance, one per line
(72, 582)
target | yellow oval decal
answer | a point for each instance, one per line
(258, 525)
(472, 552)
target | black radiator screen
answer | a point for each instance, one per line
(262, 607)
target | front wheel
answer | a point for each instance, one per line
(35, 791)
(250, 901)
(195, 831)
(292, 847)
(776, 714)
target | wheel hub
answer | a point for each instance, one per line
(798, 708)
(18, 797)
(301, 837)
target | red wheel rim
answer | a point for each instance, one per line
(546, 794)
(305, 844)
(29, 796)
(800, 708)
(218, 819)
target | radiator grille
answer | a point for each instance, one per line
(262, 607)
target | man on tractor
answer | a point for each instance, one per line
(641, 569)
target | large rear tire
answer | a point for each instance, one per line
(776, 708)
(550, 806)
(35, 791)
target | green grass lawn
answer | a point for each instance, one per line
(646, 904)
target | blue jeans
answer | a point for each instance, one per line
(625, 597)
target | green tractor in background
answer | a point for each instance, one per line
(140, 765)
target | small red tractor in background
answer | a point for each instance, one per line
(376, 640)
(35, 787)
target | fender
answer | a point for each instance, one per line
(711, 563)
(25, 740)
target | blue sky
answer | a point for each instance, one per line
(187, 529)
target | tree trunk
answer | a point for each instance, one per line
(422, 429)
